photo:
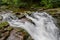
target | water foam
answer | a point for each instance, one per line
(42, 26)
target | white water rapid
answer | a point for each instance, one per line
(41, 25)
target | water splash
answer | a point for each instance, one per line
(42, 26)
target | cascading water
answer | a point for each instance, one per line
(41, 26)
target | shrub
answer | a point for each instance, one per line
(56, 3)
(46, 3)
(29, 3)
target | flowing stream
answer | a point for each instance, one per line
(39, 25)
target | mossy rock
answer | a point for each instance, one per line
(26, 35)
(9, 28)
(3, 25)
(1, 18)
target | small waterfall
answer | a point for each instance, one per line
(41, 26)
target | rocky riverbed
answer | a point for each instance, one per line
(9, 33)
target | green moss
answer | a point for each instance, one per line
(3, 25)
(9, 28)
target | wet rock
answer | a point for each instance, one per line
(29, 38)
(18, 34)
(14, 36)
(19, 15)
(3, 25)
(10, 33)
(22, 15)
(4, 36)
(5, 32)
(2, 30)
(3, 7)
(28, 12)
(1, 18)
(8, 28)
(51, 10)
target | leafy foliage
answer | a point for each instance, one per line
(47, 3)
(56, 3)
(29, 3)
